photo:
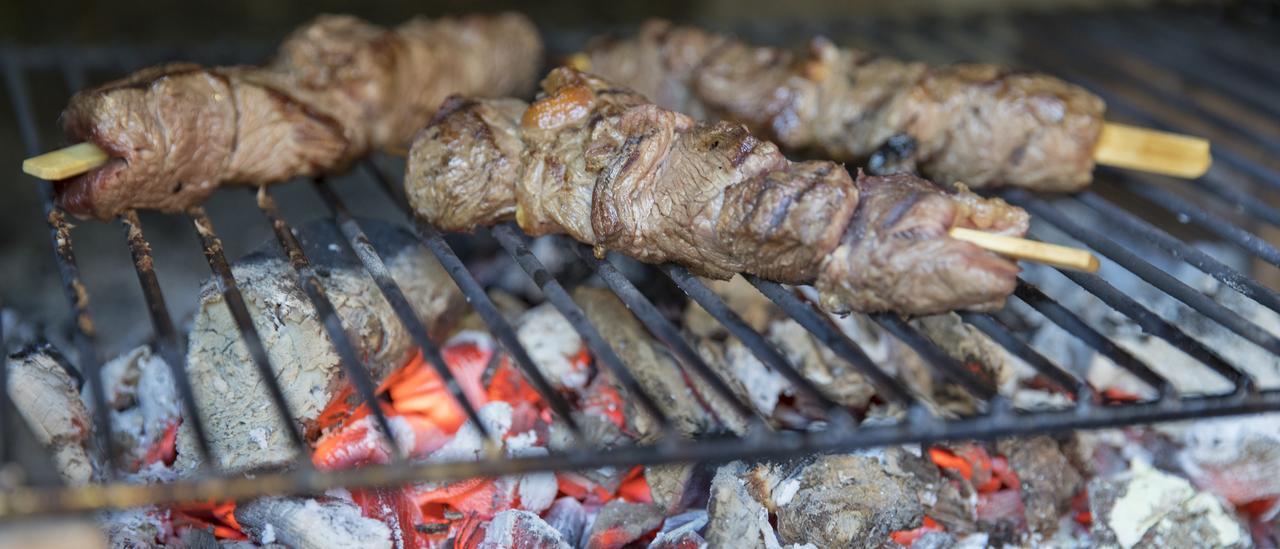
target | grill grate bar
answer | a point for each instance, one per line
(817, 324)
(933, 355)
(1146, 271)
(1228, 231)
(1001, 334)
(1151, 323)
(167, 340)
(64, 254)
(515, 244)
(1064, 318)
(226, 282)
(478, 299)
(667, 333)
(6, 424)
(1234, 279)
(34, 501)
(752, 339)
(362, 247)
(355, 368)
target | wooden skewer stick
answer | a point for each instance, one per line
(1153, 151)
(1030, 250)
(67, 162)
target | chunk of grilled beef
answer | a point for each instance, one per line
(338, 88)
(243, 424)
(982, 124)
(603, 165)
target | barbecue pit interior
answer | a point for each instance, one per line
(540, 392)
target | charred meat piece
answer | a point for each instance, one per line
(982, 124)
(896, 254)
(338, 88)
(603, 165)
(242, 422)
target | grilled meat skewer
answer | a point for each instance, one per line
(602, 164)
(982, 124)
(337, 88)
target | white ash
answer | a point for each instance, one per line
(45, 396)
(1236, 457)
(552, 344)
(136, 527)
(569, 518)
(310, 523)
(1148, 507)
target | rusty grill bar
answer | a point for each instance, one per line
(1128, 96)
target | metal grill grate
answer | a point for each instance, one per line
(1226, 103)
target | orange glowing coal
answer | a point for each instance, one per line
(997, 486)
(425, 418)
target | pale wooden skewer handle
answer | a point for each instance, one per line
(1153, 151)
(1030, 250)
(67, 162)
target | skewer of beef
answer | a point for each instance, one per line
(603, 165)
(165, 137)
(983, 124)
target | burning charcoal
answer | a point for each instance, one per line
(937, 540)
(555, 347)
(968, 345)
(136, 527)
(648, 362)
(619, 523)
(513, 529)
(311, 523)
(1047, 479)
(735, 517)
(750, 380)
(681, 531)
(1236, 458)
(1145, 507)
(819, 364)
(145, 412)
(568, 517)
(45, 395)
(673, 486)
(241, 419)
(839, 500)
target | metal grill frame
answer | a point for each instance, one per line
(997, 417)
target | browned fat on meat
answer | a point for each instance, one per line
(982, 124)
(603, 165)
(338, 88)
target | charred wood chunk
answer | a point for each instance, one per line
(839, 500)
(650, 363)
(620, 523)
(1047, 478)
(240, 417)
(46, 396)
(311, 523)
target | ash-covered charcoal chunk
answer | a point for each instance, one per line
(45, 395)
(735, 517)
(1047, 479)
(675, 487)
(513, 529)
(650, 363)
(569, 518)
(311, 523)
(840, 501)
(1145, 507)
(241, 419)
(619, 523)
